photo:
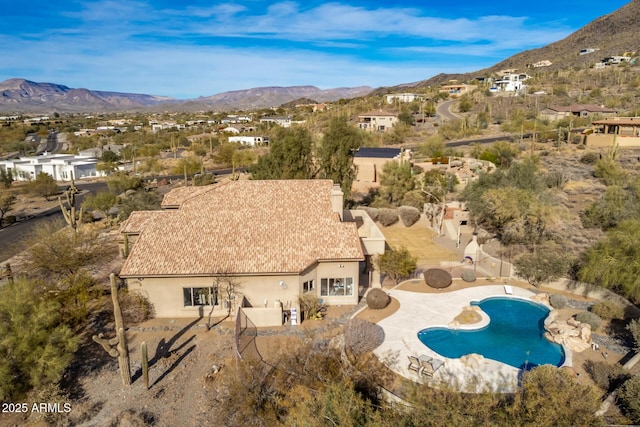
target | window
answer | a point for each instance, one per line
(336, 287)
(200, 296)
(309, 286)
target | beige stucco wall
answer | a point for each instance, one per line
(607, 140)
(166, 293)
(264, 316)
(369, 168)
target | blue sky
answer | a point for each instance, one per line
(186, 49)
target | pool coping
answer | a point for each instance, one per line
(419, 311)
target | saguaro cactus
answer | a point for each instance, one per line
(145, 364)
(70, 213)
(121, 351)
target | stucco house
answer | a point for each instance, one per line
(277, 239)
(370, 161)
(456, 90)
(403, 97)
(555, 112)
(377, 121)
(620, 131)
(59, 166)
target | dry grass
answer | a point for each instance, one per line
(418, 239)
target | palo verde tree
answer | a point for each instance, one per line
(544, 263)
(515, 203)
(397, 264)
(36, 346)
(396, 181)
(290, 156)
(335, 155)
(44, 185)
(7, 199)
(614, 262)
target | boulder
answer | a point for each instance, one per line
(585, 333)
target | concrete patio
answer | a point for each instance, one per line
(422, 310)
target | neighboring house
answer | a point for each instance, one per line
(284, 121)
(510, 82)
(96, 152)
(249, 140)
(370, 161)
(455, 90)
(277, 239)
(231, 129)
(59, 166)
(554, 113)
(587, 50)
(377, 121)
(543, 63)
(157, 126)
(403, 97)
(620, 131)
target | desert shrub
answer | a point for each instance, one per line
(605, 375)
(387, 216)
(608, 310)
(311, 306)
(408, 215)
(361, 336)
(629, 397)
(377, 299)
(557, 301)
(589, 158)
(589, 318)
(372, 212)
(50, 393)
(634, 328)
(135, 307)
(468, 275)
(133, 418)
(414, 198)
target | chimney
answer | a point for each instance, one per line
(337, 200)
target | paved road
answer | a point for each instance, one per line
(12, 237)
(443, 110)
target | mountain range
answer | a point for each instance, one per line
(20, 95)
(611, 34)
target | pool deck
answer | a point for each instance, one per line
(423, 310)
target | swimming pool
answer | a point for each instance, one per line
(514, 335)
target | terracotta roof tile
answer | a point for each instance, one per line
(245, 227)
(138, 219)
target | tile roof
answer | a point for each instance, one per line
(138, 220)
(175, 197)
(243, 227)
(576, 108)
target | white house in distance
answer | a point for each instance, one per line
(249, 140)
(510, 82)
(403, 97)
(277, 239)
(59, 166)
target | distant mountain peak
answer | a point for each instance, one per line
(21, 95)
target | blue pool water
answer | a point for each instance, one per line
(513, 336)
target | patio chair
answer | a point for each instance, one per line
(414, 364)
(508, 290)
(425, 363)
(429, 367)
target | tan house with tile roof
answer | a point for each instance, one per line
(613, 131)
(277, 239)
(377, 121)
